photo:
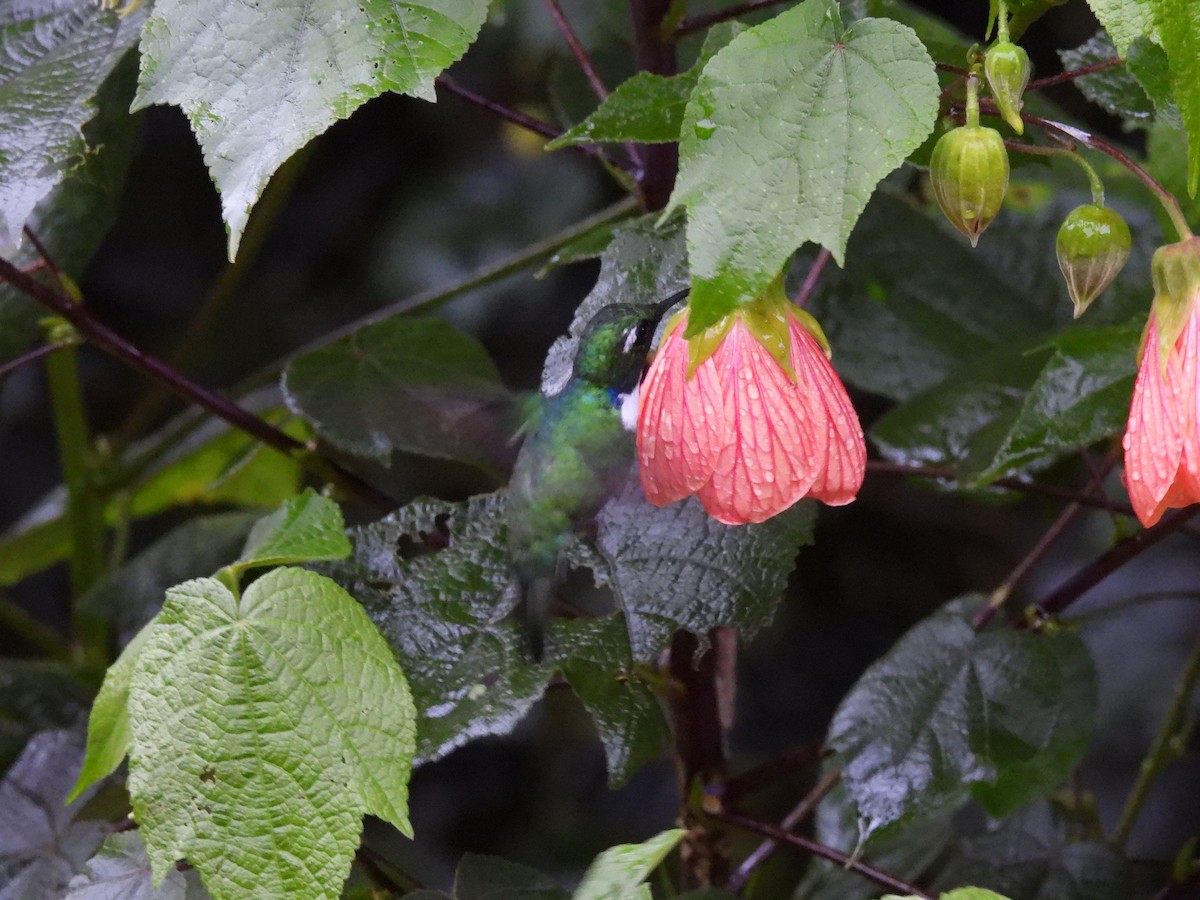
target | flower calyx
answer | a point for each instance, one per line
(969, 175)
(1093, 246)
(1007, 68)
(1175, 273)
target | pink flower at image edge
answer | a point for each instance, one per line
(1162, 439)
(741, 433)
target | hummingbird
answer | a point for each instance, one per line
(579, 453)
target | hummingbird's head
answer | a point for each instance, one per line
(616, 341)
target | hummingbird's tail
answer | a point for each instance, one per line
(537, 594)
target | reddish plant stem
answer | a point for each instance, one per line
(766, 774)
(960, 71)
(654, 52)
(522, 120)
(699, 23)
(1040, 549)
(33, 355)
(1112, 559)
(1064, 77)
(581, 55)
(800, 813)
(117, 346)
(810, 846)
(815, 271)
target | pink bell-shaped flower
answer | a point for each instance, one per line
(748, 415)
(1162, 438)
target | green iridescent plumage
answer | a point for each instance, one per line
(579, 454)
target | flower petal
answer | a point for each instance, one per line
(844, 457)
(681, 423)
(771, 461)
(1153, 439)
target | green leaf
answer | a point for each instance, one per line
(74, 216)
(1023, 12)
(435, 578)
(1003, 713)
(1148, 64)
(832, 110)
(1031, 857)
(675, 568)
(1114, 90)
(41, 844)
(595, 658)
(258, 81)
(109, 735)
(1178, 23)
(263, 728)
(491, 878)
(308, 528)
(968, 893)
(121, 871)
(53, 60)
(417, 385)
(35, 695)
(620, 870)
(1126, 20)
(646, 108)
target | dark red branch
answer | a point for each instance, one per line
(655, 52)
(813, 278)
(33, 355)
(1064, 77)
(699, 23)
(115, 345)
(581, 55)
(799, 842)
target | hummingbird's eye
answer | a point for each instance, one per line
(639, 335)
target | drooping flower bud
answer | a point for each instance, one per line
(969, 173)
(1093, 247)
(1007, 68)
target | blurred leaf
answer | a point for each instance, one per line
(617, 873)
(1178, 23)
(1018, 409)
(41, 844)
(121, 871)
(1147, 63)
(307, 528)
(641, 266)
(595, 658)
(417, 385)
(35, 695)
(74, 216)
(1024, 13)
(907, 854)
(1030, 857)
(53, 60)
(1167, 161)
(492, 878)
(647, 108)
(1115, 90)
(822, 143)
(267, 802)
(968, 893)
(675, 567)
(1125, 20)
(259, 82)
(1005, 714)
(130, 596)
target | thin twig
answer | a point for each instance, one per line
(1165, 746)
(800, 813)
(960, 71)
(1040, 549)
(815, 271)
(1082, 71)
(698, 23)
(767, 773)
(114, 344)
(1116, 556)
(33, 355)
(580, 54)
(890, 882)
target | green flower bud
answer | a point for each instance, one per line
(1007, 68)
(969, 174)
(1093, 246)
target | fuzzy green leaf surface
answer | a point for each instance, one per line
(259, 80)
(674, 567)
(263, 728)
(53, 59)
(1178, 23)
(1126, 20)
(418, 385)
(121, 871)
(307, 528)
(620, 871)
(1003, 714)
(1032, 856)
(41, 843)
(832, 110)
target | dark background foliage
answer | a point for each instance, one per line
(404, 196)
